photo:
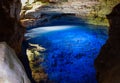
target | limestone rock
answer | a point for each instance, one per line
(11, 69)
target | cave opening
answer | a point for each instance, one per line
(61, 41)
(61, 47)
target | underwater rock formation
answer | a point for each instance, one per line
(107, 63)
(11, 69)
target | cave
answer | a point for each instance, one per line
(59, 41)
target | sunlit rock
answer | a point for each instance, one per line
(32, 13)
(33, 51)
(31, 1)
(35, 58)
(11, 69)
(24, 2)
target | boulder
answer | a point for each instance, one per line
(11, 69)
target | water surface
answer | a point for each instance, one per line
(70, 51)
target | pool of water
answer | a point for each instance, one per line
(70, 51)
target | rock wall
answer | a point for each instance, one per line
(11, 30)
(11, 69)
(107, 63)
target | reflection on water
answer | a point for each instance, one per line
(70, 51)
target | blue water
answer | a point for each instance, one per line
(70, 51)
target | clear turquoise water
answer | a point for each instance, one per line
(71, 50)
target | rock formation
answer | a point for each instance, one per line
(36, 58)
(11, 69)
(38, 13)
(11, 30)
(107, 63)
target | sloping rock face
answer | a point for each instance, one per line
(11, 69)
(107, 63)
(11, 30)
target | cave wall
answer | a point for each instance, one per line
(11, 30)
(107, 64)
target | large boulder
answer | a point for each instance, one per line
(11, 69)
(107, 64)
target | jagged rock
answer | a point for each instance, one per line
(11, 69)
(107, 64)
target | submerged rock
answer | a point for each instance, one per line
(11, 69)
